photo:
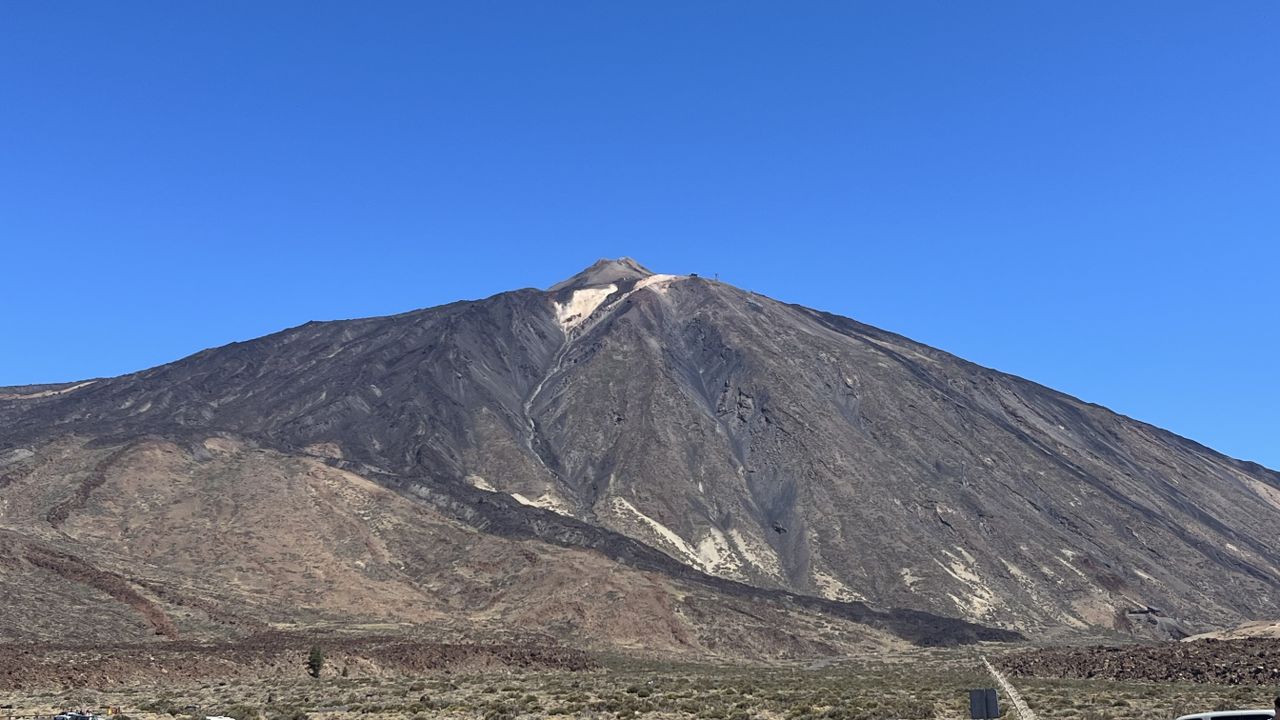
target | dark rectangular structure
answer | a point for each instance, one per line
(984, 704)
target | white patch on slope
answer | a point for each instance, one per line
(479, 482)
(1268, 494)
(581, 304)
(981, 601)
(1029, 585)
(546, 502)
(713, 553)
(659, 283)
(47, 393)
(1017, 573)
(718, 556)
(833, 589)
(758, 554)
(622, 506)
(1071, 556)
(586, 301)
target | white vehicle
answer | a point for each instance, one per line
(1258, 714)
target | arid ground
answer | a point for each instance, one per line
(362, 678)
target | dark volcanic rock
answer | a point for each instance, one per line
(1254, 661)
(703, 420)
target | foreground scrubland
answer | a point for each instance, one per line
(916, 685)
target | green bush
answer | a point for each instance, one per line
(315, 660)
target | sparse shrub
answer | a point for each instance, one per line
(160, 706)
(286, 712)
(241, 712)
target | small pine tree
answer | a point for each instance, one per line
(315, 661)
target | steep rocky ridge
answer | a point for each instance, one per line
(769, 445)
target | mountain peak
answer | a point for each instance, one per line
(604, 272)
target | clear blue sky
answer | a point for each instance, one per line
(1086, 194)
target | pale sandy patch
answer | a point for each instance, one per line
(624, 507)
(832, 589)
(581, 304)
(1067, 562)
(325, 450)
(1016, 572)
(476, 481)
(1269, 494)
(46, 393)
(980, 600)
(757, 553)
(1251, 629)
(546, 502)
(1094, 610)
(659, 283)
(961, 570)
(909, 578)
(714, 550)
(222, 445)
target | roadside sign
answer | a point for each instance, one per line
(984, 704)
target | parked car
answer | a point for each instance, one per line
(1258, 714)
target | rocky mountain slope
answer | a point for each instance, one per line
(223, 540)
(689, 429)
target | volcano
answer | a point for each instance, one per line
(667, 444)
